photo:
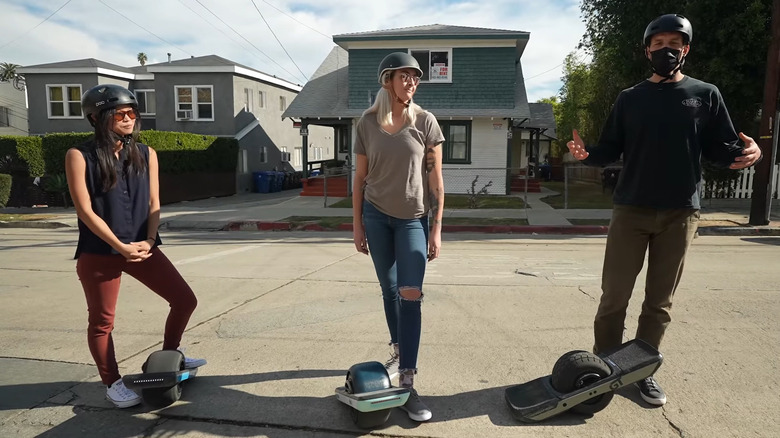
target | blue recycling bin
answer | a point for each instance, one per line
(262, 181)
(271, 180)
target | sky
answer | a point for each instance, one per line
(289, 39)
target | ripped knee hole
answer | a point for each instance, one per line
(410, 293)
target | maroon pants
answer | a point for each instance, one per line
(100, 277)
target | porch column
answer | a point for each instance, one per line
(305, 148)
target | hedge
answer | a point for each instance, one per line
(5, 189)
(178, 152)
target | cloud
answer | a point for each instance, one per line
(191, 28)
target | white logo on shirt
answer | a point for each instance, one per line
(693, 102)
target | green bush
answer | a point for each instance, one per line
(5, 189)
(58, 184)
(22, 155)
(56, 145)
(182, 152)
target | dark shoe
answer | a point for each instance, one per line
(416, 408)
(651, 392)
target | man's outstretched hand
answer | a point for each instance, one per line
(577, 147)
(750, 154)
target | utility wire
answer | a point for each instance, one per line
(244, 38)
(147, 30)
(36, 26)
(217, 28)
(548, 71)
(277, 40)
(295, 20)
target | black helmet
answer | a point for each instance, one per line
(106, 96)
(397, 61)
(669, 23)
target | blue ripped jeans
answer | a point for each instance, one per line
(399, 249)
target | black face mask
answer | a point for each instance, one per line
(665, 61)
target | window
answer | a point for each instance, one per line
(261, 99)
(297, 154)
(194, 103)
(282, 103)
(147, 103)
(457, 142)
(317, 153)
(263, 154)
(249, 100)
(436, 64)
(64, 101)
(4, 122)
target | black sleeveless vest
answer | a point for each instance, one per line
(124, 208)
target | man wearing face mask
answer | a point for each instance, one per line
(662, 127)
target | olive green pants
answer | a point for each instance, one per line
(665, 236)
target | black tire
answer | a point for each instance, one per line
(369, 376)
(162, 362)
(578, 369)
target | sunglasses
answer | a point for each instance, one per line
(120, 115)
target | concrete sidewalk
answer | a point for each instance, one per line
(267, 211)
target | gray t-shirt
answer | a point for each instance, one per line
(397, 182)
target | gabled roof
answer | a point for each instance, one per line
(326, 93)
(217, 64)
(326, 96)
(200, 64)
(432, 31)
(88, 65)
(542, 116)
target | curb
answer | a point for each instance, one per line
(33, 224)
(739, 231)
(497, 229)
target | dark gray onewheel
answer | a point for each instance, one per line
(365, 377)
(162, 362)
(578, 369)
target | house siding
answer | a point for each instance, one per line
(38, 115)
(222, 96)
(488, 160)
(481, 78)
(16, 109)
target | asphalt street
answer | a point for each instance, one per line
(283, 315)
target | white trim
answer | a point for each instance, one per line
(247, 129)
(449, 64)
(227, 69)
(194, 103)
(64, 102)
(422, 44)
(71, 70)
(147, 90)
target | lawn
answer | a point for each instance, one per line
(461, 202)
(581, 195)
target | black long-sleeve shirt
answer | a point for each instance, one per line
(663, 131)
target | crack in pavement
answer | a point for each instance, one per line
(676, 428)
(585, 293)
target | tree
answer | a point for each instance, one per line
(8, 74)
(728, 37)
(142, 58)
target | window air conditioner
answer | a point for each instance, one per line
(184, 115)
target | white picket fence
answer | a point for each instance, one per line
(743, 187)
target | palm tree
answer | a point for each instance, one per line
(8, 71)
(8, 74)
(142, 58)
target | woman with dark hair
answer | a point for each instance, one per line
(398, 185)
(114, 183)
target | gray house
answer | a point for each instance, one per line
(13, 110)
(206, 95)
(472, 82)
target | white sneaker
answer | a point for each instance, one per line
(122, 396)
(190, 363)
(391, 365)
